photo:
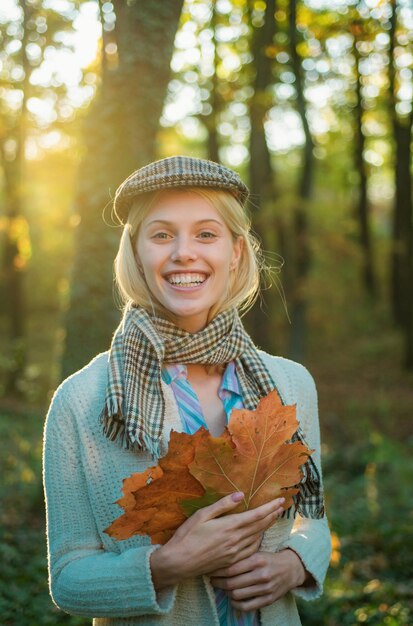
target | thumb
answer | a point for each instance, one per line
(222, 506)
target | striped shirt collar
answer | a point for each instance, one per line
(172, 371)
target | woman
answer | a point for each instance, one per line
(179, 359)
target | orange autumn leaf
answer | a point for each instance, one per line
(151, 498)
(261, 464)
(252, 455)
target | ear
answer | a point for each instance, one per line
(237, 252)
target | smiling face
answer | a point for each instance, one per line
(186, 252)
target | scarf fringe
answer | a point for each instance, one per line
(113, 423)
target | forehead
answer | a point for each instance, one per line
(178, 205)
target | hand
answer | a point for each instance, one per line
(261, 578)
(210, 540)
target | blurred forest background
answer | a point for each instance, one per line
(311, 101)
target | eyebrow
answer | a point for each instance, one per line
(171, 223)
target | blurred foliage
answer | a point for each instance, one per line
(24, 599)
(55, 146)
(354, 349)
(367, 486)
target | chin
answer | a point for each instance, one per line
(187, 311)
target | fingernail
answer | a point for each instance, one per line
(280, 500)
(237, 496)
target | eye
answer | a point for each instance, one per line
(206, 234)
(160, 235)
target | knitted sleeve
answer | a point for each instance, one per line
(84, 578)
(310, 538)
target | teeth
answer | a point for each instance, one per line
(186, 279)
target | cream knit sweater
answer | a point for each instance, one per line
(96, 576)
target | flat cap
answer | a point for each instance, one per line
(177, 171)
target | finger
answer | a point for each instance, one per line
(235, 582)
(253, 566)
(244, 552)
(248, 591)
(252, 562)
(246, 541)
(222, 506)
(241, 550)
(240, 567)
(245, 549)
(250, 533)
(261, 525)
(246, 518)
(253, 603)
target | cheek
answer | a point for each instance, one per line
(226, 259)
(148, 257)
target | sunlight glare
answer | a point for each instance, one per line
(185, 39)
(234, 155)
(185, 103)
(224, 6)
(372, 157)
(319, 95)
(64, 65)
(284, 130)
(43, 108)
(87, 33)
(9, 11)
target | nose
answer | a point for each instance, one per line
(183, 250)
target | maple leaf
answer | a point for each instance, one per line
(151, 498)
(252, 455)
(260, 462)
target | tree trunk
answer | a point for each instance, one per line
(120, 136)
(214, 99)
(402, 224)
(362, 210)
(402, 248)
(260, 170)
(302, 257)
(261, 176)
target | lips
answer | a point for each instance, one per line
(186, 279)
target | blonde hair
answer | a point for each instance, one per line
(244, 282)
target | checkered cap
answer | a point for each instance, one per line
(177, 171)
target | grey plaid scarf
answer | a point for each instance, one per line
(134, 405)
